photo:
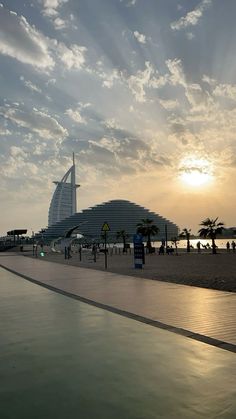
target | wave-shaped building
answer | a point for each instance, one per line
(119, 214)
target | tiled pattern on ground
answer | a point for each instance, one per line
(61, 359)
(207, 312)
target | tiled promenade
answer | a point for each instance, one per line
(201, 314)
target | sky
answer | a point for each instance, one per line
(144, 93)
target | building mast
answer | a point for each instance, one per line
(73, 186)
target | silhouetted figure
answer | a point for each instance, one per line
(80, 252)
(69, 252)
(161, 249)
(199, 247)
(94, 252)
(228, 247)
(171, 250)
(233, 244)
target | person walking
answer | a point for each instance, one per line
(199, 247)
(233, 245)
(228, 247)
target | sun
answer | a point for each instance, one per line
(196, 171)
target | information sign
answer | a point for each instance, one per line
(138, 251)
(105, 227)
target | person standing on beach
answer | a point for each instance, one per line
(233, 244)
(199, 247)
(228, 247)
(162, 249)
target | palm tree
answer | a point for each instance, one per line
(148, 229)
(210, 229)
(185, 234)
(121, 234)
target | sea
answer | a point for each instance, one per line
(182, 244)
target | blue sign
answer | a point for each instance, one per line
(137, 238)
(138, 251)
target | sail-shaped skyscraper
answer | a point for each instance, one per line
(64, 202)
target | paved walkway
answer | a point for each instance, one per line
(201, 314)
(61, 358)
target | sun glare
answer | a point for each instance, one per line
(195, 171)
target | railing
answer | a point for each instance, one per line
(6, 246)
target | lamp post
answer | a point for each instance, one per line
(166, 235)
(33, 241)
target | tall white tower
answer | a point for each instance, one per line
(64, 202)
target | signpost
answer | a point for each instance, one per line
(105, 229)
(138, 251)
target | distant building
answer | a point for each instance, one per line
(119, 214)
(63, 203)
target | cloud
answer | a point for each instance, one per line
(129, 3)
(109, 78)
(140, 37)
(169, 105)
(123, 156)
(192, 18)
(73, 57)
(111, 123)
(148, 78)
(227, 91)
(51, 7)
(4, 131)
(193, 91)
(75, 115)
(190, 36)
(18, 162)
(31, 86)
(224, 90)
(17, 151)
(138, 82)
(20, 40)
(36, 121)
(176, 72)
(60, 23)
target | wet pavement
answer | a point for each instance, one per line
(201, 314)
(61, 358)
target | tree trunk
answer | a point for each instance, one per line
(213, 246)
(149, 245)
(124, 245)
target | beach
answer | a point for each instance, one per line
(201, 270)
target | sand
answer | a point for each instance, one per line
(202, 270)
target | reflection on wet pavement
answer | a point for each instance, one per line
(61, 358)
